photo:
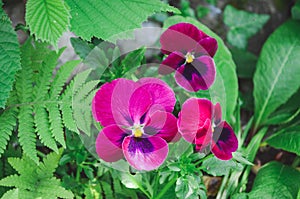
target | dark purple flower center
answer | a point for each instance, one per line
(140, 144)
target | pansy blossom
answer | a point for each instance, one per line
(200, 122)
(137, 121)
(190, 53)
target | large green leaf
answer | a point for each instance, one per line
(106, 18)
(276, 181)
(9, 56)
(47, 19)
(242, 25)
(277, 76)
(287, 139)
(225, 87)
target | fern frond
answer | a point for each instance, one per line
(44, 69)
(13, 193)
(36, 180)
(42, 125)
(66, 109)
(84, 91)
(80, 79)
(8, 120)
(61, 77)
(56, 123)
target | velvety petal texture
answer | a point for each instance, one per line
(137, 121)
(190, 52)
(198, 75)
(145, 153)
(224, 141)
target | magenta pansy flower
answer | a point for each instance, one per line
(137, 121)
(200, 122)
(190, 53)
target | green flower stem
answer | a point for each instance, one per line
(205, 158)
(166, 188)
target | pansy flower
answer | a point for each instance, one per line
(190, 53)
(137, 121)
(200, 122)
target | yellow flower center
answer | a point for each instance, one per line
(137, 132)
(189, 58)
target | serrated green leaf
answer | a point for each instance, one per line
(277, 181)
(13, 193)
(242, 25)
(47, 19)
(108, 18)
(9, 57)
(286, 139)
(277, 76)
(56, 126)
(225, 87)
(61, 77)
(186, 187)
(43, 127)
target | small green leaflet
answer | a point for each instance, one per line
(242, 25)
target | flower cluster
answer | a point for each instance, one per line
(137, 116)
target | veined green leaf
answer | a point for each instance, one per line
(276, 181)
(47, 19)
(286, 139)
(242, 25)
(9, 57)
(225, 87)
(106, 18)
(277, 76)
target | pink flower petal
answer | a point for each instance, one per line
(217, 114)
(109, 143)
(171, 63)
(193, 115)
(111, 102)
(139, 103)
(162, 95)
(203, 136)
(198, 75)
(162, 124)
(181, 37)
(224, 141)
(210, 45)
(145, 153)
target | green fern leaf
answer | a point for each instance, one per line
(84, 92)
(36, 181)
(50, 163)
(8, 120)
(56, 123)
(43, 127)
(61, 77)
(24, 89)
(80, 79)
(66, 109)
(44, 72)
(106, 18)
(9, 57)
(13, 193)
(47, 19)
